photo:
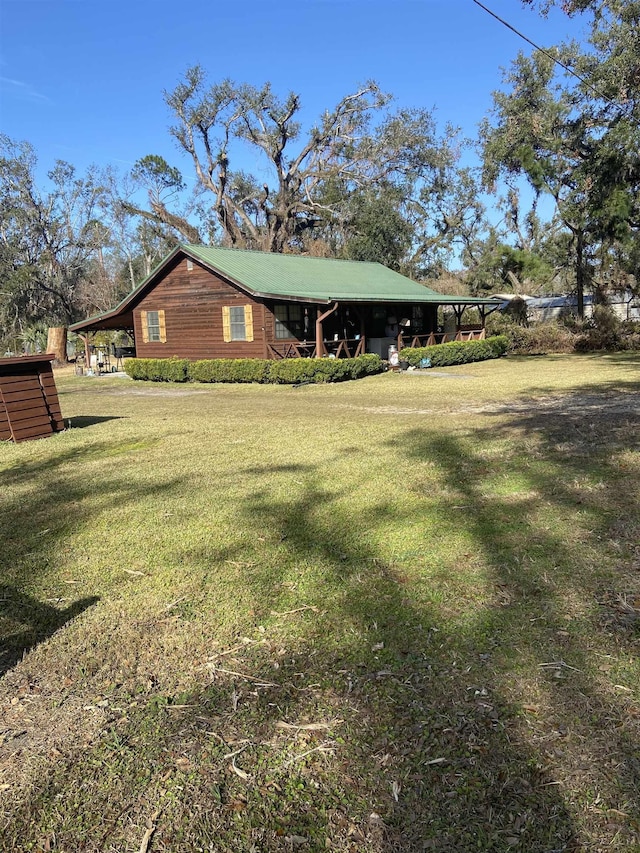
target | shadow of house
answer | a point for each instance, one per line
(82, 421)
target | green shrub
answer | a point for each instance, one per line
(498, 323)
(365, 365)
(630, 334)
(456, 352)
(134, 368)
(292, 371)
(540, 339)
(605, 331)
(158, 369)
(499, 344)
(229, 370)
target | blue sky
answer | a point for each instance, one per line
(82, 80)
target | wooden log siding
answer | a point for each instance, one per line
(192, 301)
(29, 406)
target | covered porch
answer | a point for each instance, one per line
(212, 302)
(348, 329)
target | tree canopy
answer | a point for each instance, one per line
(366, 180)
(575, 136)
(48, 240)
(361, 170)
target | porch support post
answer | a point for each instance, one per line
(87, 354)
(320, 350)
(458, 310)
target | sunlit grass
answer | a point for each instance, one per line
(446, 564)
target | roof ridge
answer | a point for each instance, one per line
(234, 249)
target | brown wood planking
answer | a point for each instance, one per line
(16, 384)
(5, 429)
(26, 412)
(27, 391)
(27, 397)
(193, 301)
(15, 410)
(37, 431)
(29, 406)
(34, 419)
(36, 427)
(57, 422)
(48, 383)
(51, 394)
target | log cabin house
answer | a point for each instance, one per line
(210, 302)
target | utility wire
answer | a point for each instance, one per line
(547, 53)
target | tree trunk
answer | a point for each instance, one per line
(57, 343)
(580, 273)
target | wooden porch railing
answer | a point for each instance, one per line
(352, 347)
(471, 335)
(433, 338)
(342, 348)
(291, 349)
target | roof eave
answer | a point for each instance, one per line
(431, 299)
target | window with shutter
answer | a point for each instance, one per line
(154, 329)
(237, 323)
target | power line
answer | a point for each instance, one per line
(546, 53)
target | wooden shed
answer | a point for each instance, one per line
(29, 406)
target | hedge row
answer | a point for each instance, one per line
(291, 371)
(604, 331)
(296, 371)
(457, 352)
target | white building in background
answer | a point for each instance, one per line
(540, 309)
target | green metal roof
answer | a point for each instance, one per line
(295, 277)
(317, 279)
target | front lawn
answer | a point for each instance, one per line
(398, 614)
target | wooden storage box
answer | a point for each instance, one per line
(29, 406)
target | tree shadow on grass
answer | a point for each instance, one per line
(36, 524)
(387, 704)
(571, 465)
(25, 622)
(368, 727)
(438, 757)
(487, 732)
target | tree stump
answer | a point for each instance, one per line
(57, 343)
